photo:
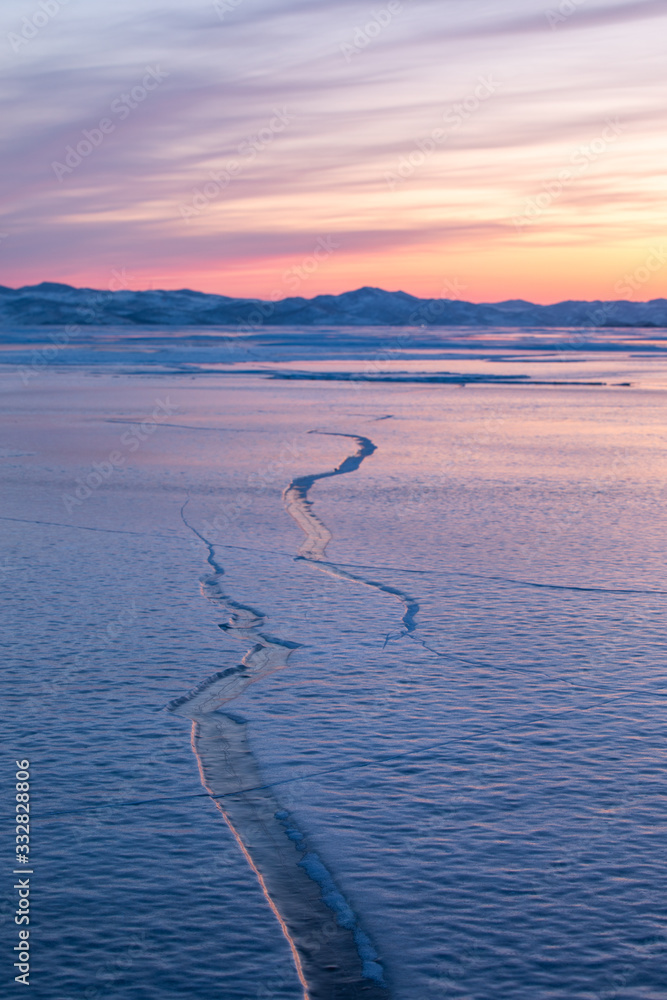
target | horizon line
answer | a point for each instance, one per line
(330, 295)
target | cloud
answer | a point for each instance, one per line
(352, 121)
(583, 17)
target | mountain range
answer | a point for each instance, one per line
(54, 304)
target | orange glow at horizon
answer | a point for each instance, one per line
(543, 276)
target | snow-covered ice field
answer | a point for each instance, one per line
(433, 716)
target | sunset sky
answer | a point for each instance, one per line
(454, 148)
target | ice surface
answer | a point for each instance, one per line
(452, 700)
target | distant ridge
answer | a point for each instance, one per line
(54, 304)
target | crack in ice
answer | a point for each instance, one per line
(332, 954)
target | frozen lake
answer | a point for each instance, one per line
(433, 717)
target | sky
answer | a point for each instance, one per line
(266, 148)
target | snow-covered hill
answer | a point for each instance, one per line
(50, 304)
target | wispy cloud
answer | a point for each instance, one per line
(536, 21)
(351, 121)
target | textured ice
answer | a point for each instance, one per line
(453, 699)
